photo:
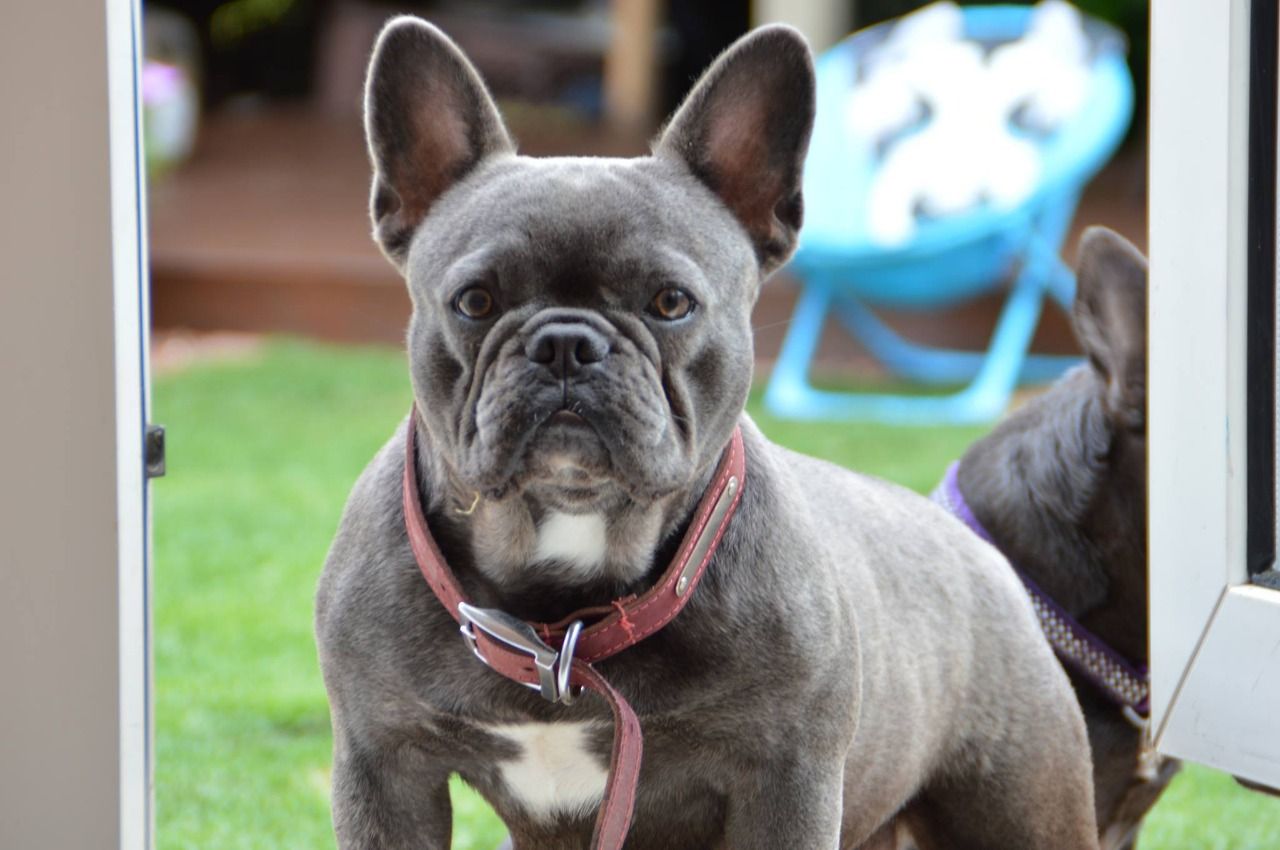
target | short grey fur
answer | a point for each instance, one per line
(851, 650)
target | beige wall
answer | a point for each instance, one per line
(60, 695)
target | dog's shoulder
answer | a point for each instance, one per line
(372, 524)
(933, 602)
(376, 622)
(890, 533)
(366, 587)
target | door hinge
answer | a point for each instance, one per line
(155, 451)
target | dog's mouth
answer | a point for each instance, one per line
(570, 433)
(567, 418)
(566, 452)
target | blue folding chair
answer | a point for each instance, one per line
(844, 272)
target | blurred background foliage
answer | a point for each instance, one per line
(271, 47)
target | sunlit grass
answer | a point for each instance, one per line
(262, 453)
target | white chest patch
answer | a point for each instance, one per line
(555, 772)
(575, 539)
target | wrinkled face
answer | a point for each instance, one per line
(581, 327)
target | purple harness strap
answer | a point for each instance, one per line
(1078, 647)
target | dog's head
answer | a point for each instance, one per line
(1110, 477)
(582, 324)
(1061, 483)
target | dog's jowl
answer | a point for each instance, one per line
(674, 633)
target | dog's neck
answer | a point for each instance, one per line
(541, 560)
(1055, 486)
(523, 537)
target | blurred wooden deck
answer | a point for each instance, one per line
(266, 229)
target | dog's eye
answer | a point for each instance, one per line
(671, 304)
(474, 302)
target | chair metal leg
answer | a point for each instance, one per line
(1062, 283)
(928, 364)
(788, 392)
(989, 393)
(992, 374)
(1046, 247)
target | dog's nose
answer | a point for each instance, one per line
(565, 347)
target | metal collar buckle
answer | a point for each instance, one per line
(553, 667)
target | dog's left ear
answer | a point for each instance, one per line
(1111, 320)
(744, 131)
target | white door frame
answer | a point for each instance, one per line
(1215, 637)
(75, 752)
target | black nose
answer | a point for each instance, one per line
(565, 347)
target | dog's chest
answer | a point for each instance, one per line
(556, 771)
(576, 540)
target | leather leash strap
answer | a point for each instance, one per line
(628, 621)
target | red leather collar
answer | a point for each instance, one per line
(530, 653)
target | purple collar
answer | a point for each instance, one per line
(1081, 649)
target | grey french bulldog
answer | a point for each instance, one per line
(580, 354)
(1061, 487)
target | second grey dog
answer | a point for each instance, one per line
(1061, 487)
(580, 354)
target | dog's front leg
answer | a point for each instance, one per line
(795, 805)
(390, 799)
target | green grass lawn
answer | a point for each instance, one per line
(262, 453)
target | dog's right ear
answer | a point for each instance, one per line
(429, 121)
(1111, 321)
